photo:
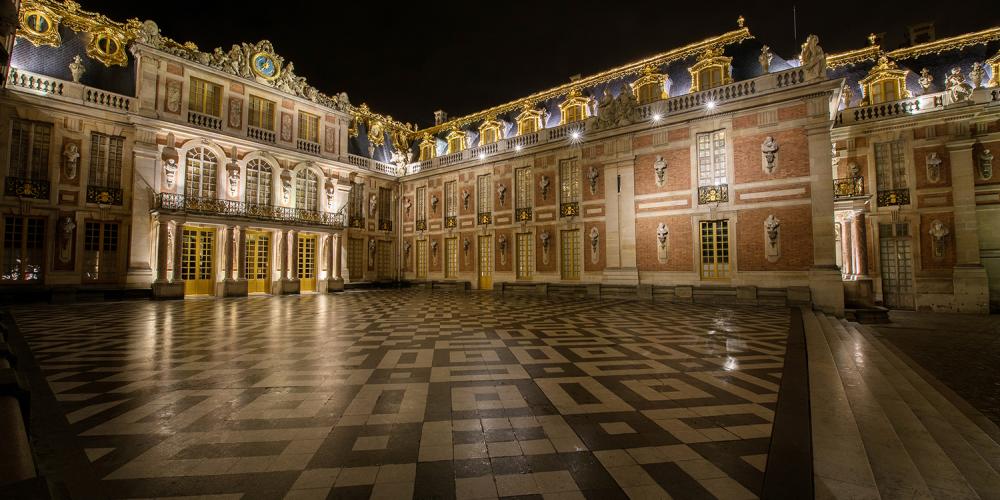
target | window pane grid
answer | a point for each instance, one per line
(484, 195)
(570, 257)
(421, 203)
(450, 257)
(524, 187)
(200, 173)
(712, 158)
(569, 181)
(451, 199)
(715, 249)
(525, 257)
(306, 190)
(258, 182)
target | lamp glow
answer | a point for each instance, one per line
(657, 117)
(518, 147)
(482, 156)
(710, 105)
(574, 135)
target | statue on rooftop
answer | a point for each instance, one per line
(813, 58)
(956, 87)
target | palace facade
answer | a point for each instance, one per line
(716, 169)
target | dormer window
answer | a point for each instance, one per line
(884, 83)
(574, 108)
(490, 131)
(529, 121)
(427, 147)
(456, 141)
(711, 70)
(651, 87)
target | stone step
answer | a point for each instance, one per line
(867, 315)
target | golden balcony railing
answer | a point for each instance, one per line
(179, 203)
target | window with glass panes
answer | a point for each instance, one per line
(569, 256)
(523, 187)
(574, 113)
(106, 153)
(569, 181)
(261, 113)
(885, 90)
(100, 251)
(421, 203)
(306, 190)
(527, 125)
(421, 258)
(456, 143)
(488, 136)
(258, 182)
(205, 97)
(308, 127)
(890, 166)
(451, 199)
(525, 256)
(22, 249)
(29, 149)
(712, 158)
(384, 204)
(200, 173)
(714, 249)
(709, 78)
(356, 258)
(484, 195)
(650, 92)
(356, 201)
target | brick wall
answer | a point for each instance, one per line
(678, 176)
(679, 257)
(792, 157)
(586, 254)
(796, 239)
(920, 166)
(928, 260)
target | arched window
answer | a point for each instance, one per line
(574, 108)
(529, 121)
(456, 141)
(200, 170)
(258, 182)
(884, 83)
(650, 87)
(427, 146)
(306, 190)
(711, 70)
(490, 131)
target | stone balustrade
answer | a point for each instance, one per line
(69, 91)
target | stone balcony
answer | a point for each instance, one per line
(70, 92)
(911, 106)
(192, 205)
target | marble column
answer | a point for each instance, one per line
(845, 247)
(293, 247)
(338, 258)
(178, 251)
(329, 256)
(241, 254)
(227, 257)
(281, 249)
(162, 247)
(859, 239)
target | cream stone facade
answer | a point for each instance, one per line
(717, 170)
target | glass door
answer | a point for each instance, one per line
(486, 262)
(197, 258)
(258, 253)
(307, 262)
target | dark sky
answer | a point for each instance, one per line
(410, 60)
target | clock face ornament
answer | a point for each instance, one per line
(264, 66)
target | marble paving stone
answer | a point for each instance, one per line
(393, 394)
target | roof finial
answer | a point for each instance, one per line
(740, 21)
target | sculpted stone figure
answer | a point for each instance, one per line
(502, 193)
(76, 68)
(846, 95)
(660, 170)
(545, 236)
(607, 113)
(170, 172)
(956, 87)
(925, 80)
(938, 231)
(234, 180)
(765, 58)
(434, 203)
(769, 148)
(502, 246)
(66, 239)
(771, 225)
(592, 176)
(407, 204)
(986, 164)
(813, 59)
(72, 155)
(933, 162)
(976, 74)
(595, 239)
(465, 199)
(661, 233)
(372, 205)
(544, 184)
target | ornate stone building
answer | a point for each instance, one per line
(716, 169)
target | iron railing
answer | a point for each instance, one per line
(849, 187)
(170, 202)
(104, 195)
(892, 197)
(713, 194)
(26, 188)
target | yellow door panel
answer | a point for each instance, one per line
(258, 263)
(486, 262)
(197, 259)
(307, 262)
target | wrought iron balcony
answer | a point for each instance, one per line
(484, 218)
(713, 194)
(357, 222)
(892, 197)
(422, 225)
(103, 195)
(26, 188)
(569, 209)
(849, 187)
(179, 203)
(450, 221)
(385, 225)
(523, 214)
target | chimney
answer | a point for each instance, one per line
(440, 117)
(575, 77)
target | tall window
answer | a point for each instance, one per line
(261, 113)
(29, 149)
(450, 257)
(356, 258)
(451, 199)
(890, 167)
(715, 249)
(258, 182)
(384, 205)
(569, 256)
(427, 148)
(22, 249)
(456, 141)
(100, 251)
(106, 160)
(308, 127)
(421, 258)
(306, 190)
(356, 202)
(421, 204)
(710, 78)
(569, 181)
(484, 194)
(205, 97)
(525, 256)
(523, 187)
(712, 158)
(573, 113)
(200, 173)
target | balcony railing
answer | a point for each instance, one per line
(450, 221)
(373, 165)
(849, 187)
(893, 197)
(204, 121)
(261, 134)
(886, 110)
(569, 209)
(69, 91)
(308, 146)
(421, 225)
(385, 225)
(103, 195)
(484, 218)
(713, 194)
(179, 203)
(26, 188)
(522, 214)
(357, 222)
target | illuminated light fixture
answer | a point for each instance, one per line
(575, 135)
(710, 105)
(518, 147)
(657, 117)
(482, 156)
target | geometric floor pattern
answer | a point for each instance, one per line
(398, 394)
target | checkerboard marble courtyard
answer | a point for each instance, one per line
(393, 394)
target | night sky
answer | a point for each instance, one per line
(463, 57)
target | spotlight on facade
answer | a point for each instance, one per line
(518, 148)
(657, 117)
(574, 135)
(482, 156)
(710, 105)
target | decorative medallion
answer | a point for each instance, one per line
(265, 66)
(108, 47)
(40, 27)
